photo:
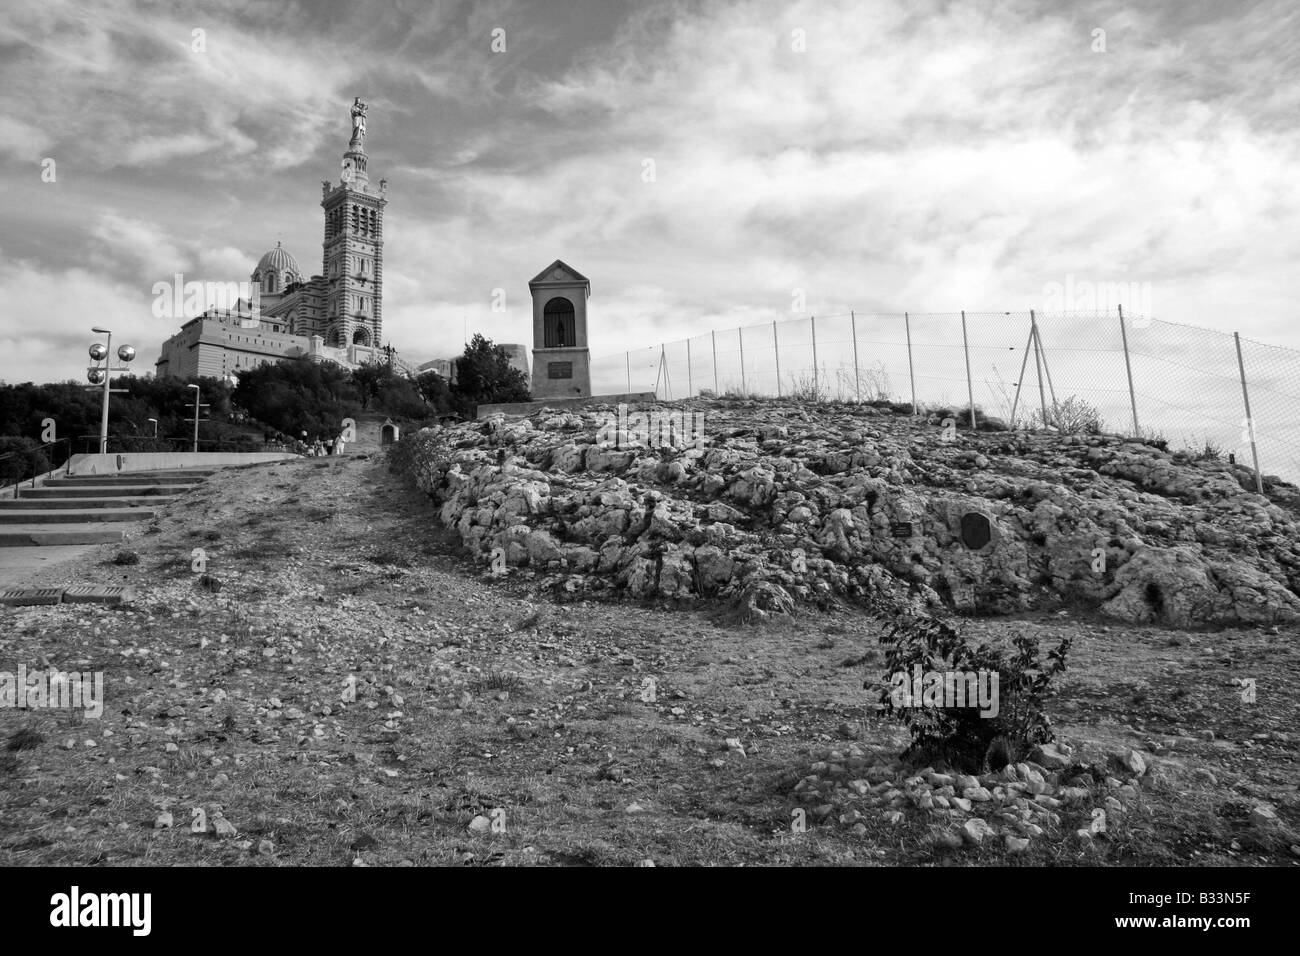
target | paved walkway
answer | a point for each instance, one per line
(19, 564)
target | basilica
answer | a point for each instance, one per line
(335, 316)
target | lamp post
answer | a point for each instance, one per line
(103, 375)
(155, 427)
(196, 416)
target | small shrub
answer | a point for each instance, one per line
(126, 557)
(25, 739)
(807, 387)
(1074, 416)
(1209, 452)
(959, 736)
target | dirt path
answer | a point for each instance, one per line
(228, 692)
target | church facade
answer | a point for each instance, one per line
(336, 316)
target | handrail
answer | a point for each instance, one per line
(66, 464)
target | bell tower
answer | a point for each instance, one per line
(354, 246)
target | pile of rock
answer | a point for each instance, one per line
(1017, 804)
(831, 502)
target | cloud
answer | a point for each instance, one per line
(931, 156)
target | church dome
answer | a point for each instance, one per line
(276, 270)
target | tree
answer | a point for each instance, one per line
(369, 380)
(484, 375)
(299, 395)
(435, 391)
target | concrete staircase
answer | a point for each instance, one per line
(94, 509)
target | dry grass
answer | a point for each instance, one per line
(475, 696)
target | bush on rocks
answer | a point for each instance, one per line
(965, 737)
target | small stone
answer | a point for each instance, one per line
(171, 748)
(222, 827)
(961, 803)
(947, 839)
(893, 817)
(1017, 844)
(976, 829)
(1131, 761)
(977, 794)
(634, 807)
(163, 821)
(939, 779)
(966, 782)
(1051, 756)
(480, 824)
(265, 848)
(1263, 814)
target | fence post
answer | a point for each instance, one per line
(776, 350)
(857, 388)
(1250, 422)
(744, 389)
(970, 389)
(1020, 381)
(814, 338)
(1033, 333)
(628, 356)
(911, 375)
(714, 336)
(689, 386)
(1128, 369)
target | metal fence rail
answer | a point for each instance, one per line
(1197, 388)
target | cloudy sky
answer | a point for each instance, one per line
(877, 155)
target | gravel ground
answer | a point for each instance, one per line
(338, 685)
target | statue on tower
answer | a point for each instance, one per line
(358, 122)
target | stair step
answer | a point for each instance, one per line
(103, 491)
(82, 504)
(128, 478)
(68, 516)
(26, 536)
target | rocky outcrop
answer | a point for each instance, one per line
(829, 503)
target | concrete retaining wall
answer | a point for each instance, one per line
(167, 461)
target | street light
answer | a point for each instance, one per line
(197, 393)
(155, 427)
(102, 375)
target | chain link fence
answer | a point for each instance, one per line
(1190, 386)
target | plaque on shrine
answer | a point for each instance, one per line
(901, 529)
(975, 530)
(559, 370)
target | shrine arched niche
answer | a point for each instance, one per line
(558, 323)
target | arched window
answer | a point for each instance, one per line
(558, 324)
(270, 282)
(361, 337)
